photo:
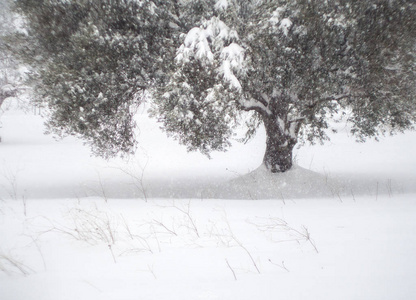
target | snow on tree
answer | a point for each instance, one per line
(93, 61)
(296, 64)
(10, 74)
(196, 107)
(293, 64)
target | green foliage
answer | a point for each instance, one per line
(294, 63)
(10, 75)
(94, 61)
(196, 107)
(384, 98)
(305, 62)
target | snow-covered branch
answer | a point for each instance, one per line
(203, 42)
(215, 44)
(251, 104)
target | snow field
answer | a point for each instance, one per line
(210, 249)
(171, 225)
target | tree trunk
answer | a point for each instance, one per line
(279, 147)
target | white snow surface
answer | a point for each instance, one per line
(167, 224)
(221, 5)
(207, 43)
(201, 42)
(285, 25)
(232, 61)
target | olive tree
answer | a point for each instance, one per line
(292, 65)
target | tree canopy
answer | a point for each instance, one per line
(92, 61)
(11, 78)
(293, 64)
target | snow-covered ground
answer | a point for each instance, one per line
(168, 224)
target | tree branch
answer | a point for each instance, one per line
(327, 99)
(254, 104)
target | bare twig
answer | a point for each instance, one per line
(127, 227)
(11, 177)
(307, 236)
(187, 213)
(112, 253)
(239, 243)
(138, 177)
(102, 187)
(228, 264)
(156, 238)
(168, 230)
(91, 227)
(278, 225)
(40, 251)
(15, 264)
(282, 265)
(151, 270)
(248, 253)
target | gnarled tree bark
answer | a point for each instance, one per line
(279, 145)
